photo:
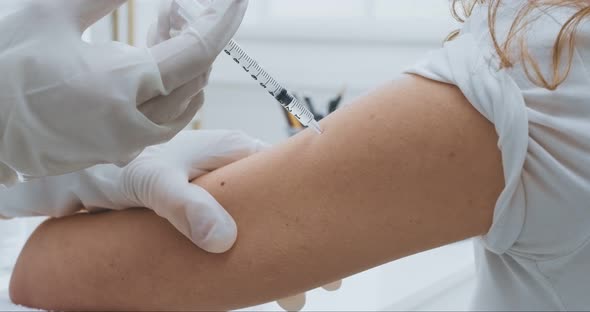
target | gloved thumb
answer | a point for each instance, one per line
(192, 53)
(88, 12)
(160, 31)
(197, 215)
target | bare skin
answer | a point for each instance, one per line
(409, 167)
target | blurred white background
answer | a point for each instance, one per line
(312, 46)
(315, 47)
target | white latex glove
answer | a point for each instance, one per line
(170, 24)
(67, 105)
(297, 303)
(158, 179)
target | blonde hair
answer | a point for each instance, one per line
(564, 43)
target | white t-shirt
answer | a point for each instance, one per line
(536, 255)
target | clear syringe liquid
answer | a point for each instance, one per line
(252, 67)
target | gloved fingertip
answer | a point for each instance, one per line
(262, 146)
(254, 145)
(295, 303)
(204, 220)
(216, 236)
(333, 286)
(152, 38)
(198, 100)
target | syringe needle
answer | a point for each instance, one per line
(316, 126)
(251, 66)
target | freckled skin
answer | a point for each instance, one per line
(310, 211)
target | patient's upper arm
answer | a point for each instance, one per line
(409, 167)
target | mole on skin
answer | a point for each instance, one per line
(223, 183)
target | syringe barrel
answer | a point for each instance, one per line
(286, 99)
(295, 107)
(289, 102)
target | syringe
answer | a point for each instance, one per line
(251, 66)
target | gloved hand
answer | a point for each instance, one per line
(68, 105)
(158, 179)
(170, 23)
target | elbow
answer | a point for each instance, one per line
(28, 292)
(20, 290)
(30, 284)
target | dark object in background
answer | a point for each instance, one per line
(335, 103)
(295, 126)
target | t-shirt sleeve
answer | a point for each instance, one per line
(496, 96)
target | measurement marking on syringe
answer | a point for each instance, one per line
(265, 80)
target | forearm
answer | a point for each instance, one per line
(408, 168)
